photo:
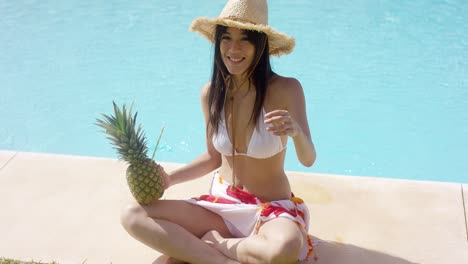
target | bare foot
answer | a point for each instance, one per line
(168, 260)
(212, 238)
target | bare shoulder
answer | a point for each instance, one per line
(204, 92)
(285, 90)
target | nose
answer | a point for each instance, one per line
(235, 45)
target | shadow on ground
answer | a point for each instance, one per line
(330, 252)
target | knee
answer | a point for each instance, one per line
(286, 250)
(131, 216)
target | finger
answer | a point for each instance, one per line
(283, 132)
(279, 128)
(277, 119)
(165, 176)
(286, 128)
(276, 113)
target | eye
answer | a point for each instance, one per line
(244, 38)
(225, 37)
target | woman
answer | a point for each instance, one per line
(250, 215)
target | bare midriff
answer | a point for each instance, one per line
(264, 178)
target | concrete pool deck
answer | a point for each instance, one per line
(66, 209)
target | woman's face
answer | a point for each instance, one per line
(237, 51)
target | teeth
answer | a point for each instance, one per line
(235, 59)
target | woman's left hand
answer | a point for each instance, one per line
(280, 123)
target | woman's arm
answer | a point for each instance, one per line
(205, 163)
(293, 120)
(305, 148)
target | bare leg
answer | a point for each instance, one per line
(174, 228)
(278, 241)
(168, 260)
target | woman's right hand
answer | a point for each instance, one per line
(165, 177)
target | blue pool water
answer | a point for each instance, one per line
(386, 81)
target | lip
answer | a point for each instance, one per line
(235, 60)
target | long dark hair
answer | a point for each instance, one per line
(258, 74)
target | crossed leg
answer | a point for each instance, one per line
(174, 228)
(278, 241)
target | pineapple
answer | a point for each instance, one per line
(144, 177)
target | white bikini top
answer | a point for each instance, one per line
(263, 144)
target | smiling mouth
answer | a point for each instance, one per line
(236, 59)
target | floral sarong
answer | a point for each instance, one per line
(244, 213)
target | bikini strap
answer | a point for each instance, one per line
(233, 143)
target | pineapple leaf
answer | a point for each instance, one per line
(129, 141)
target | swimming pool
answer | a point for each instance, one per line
(386, 82)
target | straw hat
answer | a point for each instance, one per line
(245, 14)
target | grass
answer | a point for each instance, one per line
(12, 261)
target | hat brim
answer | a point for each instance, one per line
(280, 44)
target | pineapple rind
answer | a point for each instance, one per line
(146, 189)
